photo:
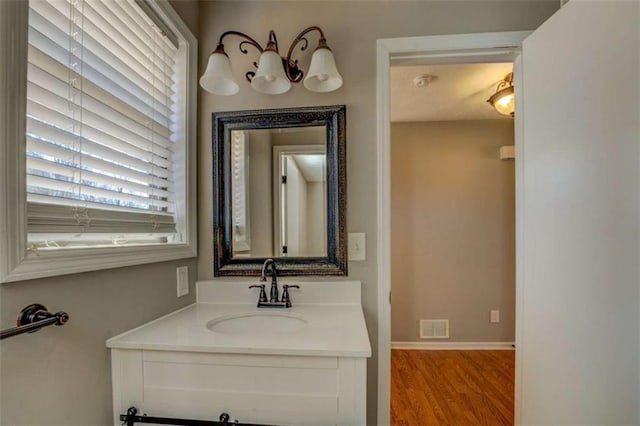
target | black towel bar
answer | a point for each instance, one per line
(33, 318)
(132, 417)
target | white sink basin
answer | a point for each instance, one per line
(248, 324)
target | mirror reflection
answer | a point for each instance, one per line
(279, 192)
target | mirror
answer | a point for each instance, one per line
(280, 191)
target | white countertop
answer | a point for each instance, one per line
(332, 329)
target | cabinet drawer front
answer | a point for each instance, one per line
(240, 378)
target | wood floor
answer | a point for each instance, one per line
(452, 387)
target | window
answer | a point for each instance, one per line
(104, 172)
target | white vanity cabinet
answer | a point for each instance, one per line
(178, 366)
(260, 389)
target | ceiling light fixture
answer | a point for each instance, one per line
(423, 80)
(274, 73)
(503, 99)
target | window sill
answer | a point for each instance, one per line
(47, 264)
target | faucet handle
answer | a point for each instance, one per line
(286, 286)
(263, 294)
(285, 294)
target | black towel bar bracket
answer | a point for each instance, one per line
(33, 318)
(132, 417)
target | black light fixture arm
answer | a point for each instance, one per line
(273, 42)
(247, 41)
(294, 73)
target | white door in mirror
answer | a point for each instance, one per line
(357, 246)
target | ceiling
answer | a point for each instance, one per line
(457, 92)
(311, 165)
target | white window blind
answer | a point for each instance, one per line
(240, 191)
(103, 118)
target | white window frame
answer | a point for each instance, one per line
(17, 263)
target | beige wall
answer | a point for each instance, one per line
(351, 29)
(452, 229)
(62, 376)
(303, 137)
(261, 194)
(189, 12)
(261, 189)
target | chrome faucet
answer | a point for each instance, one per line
(274, 300)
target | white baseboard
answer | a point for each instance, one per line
(453, 345)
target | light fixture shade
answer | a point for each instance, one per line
(270, 77)
(323, 75)
(218, 78)
(504, 101)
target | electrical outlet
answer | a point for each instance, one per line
(495, 316)
(182, 279)
(357, 246)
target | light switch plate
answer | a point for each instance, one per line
(495, 316)
(182, 279)
(357, 246)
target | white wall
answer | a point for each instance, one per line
(578, 357)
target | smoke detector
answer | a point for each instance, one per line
(424, 80)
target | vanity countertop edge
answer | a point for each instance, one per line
(332, 329)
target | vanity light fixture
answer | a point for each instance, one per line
(274, 73)
(503, 99)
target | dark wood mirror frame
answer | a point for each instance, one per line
(334, 118)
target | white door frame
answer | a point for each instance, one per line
(459, 48)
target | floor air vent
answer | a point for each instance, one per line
(434, 329)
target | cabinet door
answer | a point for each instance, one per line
(578, 339)
(259, 389)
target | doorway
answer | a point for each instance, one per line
(471, 48)
(452, 245)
